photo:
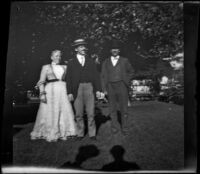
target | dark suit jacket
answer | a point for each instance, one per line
(126, 71)
(74, 72)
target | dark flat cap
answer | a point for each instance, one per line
(115, 44)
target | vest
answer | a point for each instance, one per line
(84, 75)
(114, 74)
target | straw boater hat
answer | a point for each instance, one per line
(78, 42)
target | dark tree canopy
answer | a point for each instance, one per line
(156, 29)
(148, 32)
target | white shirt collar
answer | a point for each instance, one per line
(80, 56)
(54, 63)
(114, 60)
(117, 57)
(81, 59)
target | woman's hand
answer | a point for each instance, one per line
(70, 97)
(43, 98)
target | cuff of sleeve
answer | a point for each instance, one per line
(40, 83)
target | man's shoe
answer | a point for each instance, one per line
(93, 138)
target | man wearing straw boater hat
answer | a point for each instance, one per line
(83, 83)
(116, 74)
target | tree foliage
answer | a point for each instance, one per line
(148, 32)
(151, 29)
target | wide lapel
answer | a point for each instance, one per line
(86, 61)
(110, 61)
(65, 70)
(77, 62)
(77, 66)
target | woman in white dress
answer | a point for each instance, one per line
(55, 117)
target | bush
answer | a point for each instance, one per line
(174, 94)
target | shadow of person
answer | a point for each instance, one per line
(119, 164)
(119, 118)
(85, 152)
(100, 118)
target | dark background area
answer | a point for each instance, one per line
(6, 96)
(191, 16)
(191, 25)
(148, 32)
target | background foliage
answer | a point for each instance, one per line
(148, 32)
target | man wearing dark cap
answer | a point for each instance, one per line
(83, 80)
(116, 74)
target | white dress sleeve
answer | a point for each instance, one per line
(42, 79)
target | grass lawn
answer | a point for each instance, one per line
(155, 142)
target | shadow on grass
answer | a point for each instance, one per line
(119, 164)
(85, 152)
(100, 118)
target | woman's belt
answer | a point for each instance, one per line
(53, 80)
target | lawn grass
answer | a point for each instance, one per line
(155, 142)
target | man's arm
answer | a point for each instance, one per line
(41, 84)
(97, 80)
(129, 69)
(103, 76)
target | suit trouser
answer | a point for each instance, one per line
(85, 98)
(118, 100)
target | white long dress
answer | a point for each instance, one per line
(55, 119)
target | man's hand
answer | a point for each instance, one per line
(70, 96)
(100, 95)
